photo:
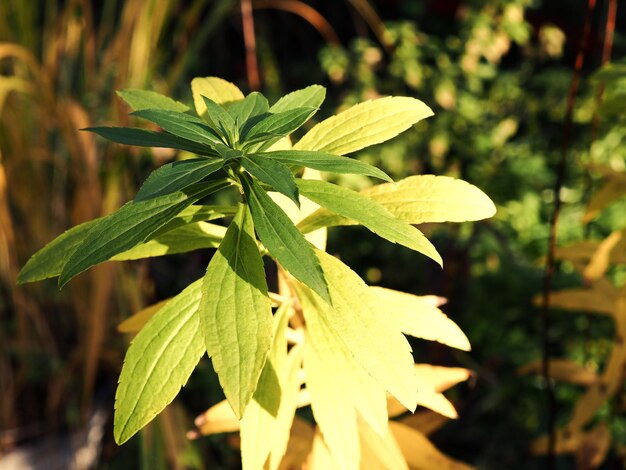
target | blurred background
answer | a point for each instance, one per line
(526, 108)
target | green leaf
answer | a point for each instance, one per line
(220, 121)
(158, 363)
(365, 124)
(278, 125)
(217, 89)
(145, 99)
(235, 312)
(335, 379)
(274, 173)
(420, 199)
(312, 96)
(375, 342)
(324, 162)
(146, 138)
(49, 261)
(131, 224)
(181, 124)
(249, 111)
(180, 240)
(283, 240)
(367, 212)
(264, 429)
(177, 176)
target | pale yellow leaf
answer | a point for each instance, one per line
(564, 370)
(442, 378)
(136, 322)
(426, 422)
(417, 316)
(321, 457)
(217, 419)
(217, 89)
(364, 124)
(379, 452)
(420, 453)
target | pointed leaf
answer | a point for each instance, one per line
(219, 120)
(179, 240)
(49, 261)
(217, 89)
(277, 175)
(325, 162)
(283, 240)
(377, 344)
(421, 199)
(418, 317)
(312, 96)
(365, 124)
(183, 125)
(146, 138)
(249, 111)
(145, 99)
(278, 125)
(235, 312)
(131, 224)
(138, 320)
(177, 176)
(367, 212)
(158, 363)
(379, 452)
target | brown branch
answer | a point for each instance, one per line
(549, 270)
(252, 67)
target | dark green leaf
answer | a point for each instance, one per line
(310, 96)
(180, 124)
(249, 111)
(144, 99)
(278, 125)
(176, 176)
(131, 224)
(274, 173)
(228, 153)
(146, 138)
(235, 312)
(368, 213)
(325, 162)
(219, 120)
(283, 240)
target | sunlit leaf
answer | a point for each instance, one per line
(128, 226)
(146, 99)
(283, 240)
(379, 452)
(217, 89)
(347, 203)
(311, 96)
(136, 322)
(249, 111)
(421, 199)
(278, 125)
(417, 316)
(376, 343)
(220, 120)
(420, 453)
(325, 162)
(235, 312)
(158, 363)
(365, 124)
(219, 418)
(179, 240)
(177, 176)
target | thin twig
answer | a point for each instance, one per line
(549, 271)
(249, 40)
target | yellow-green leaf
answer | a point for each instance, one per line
(217, 89)
(365, 124)
(417, 316)
(235, 312)
(158, 363)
